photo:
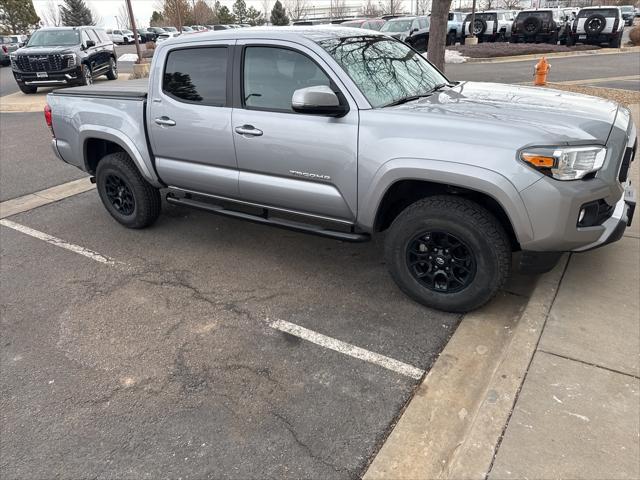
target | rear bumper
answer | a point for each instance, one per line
(593, 39)
(64, 77)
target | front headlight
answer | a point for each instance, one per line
(565, 163)
(71, 59)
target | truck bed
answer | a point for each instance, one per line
(123, 89)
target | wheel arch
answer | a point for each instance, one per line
(98, 143)
(395, 187)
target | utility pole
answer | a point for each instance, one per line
(135, 30)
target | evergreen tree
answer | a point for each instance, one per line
(254, 17)
(225, 17)
(17, 16)
(156, 19)
(240, 11)
(279, 14)
(75, 13)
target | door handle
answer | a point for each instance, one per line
(249, 130)
(165, 122)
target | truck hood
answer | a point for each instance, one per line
(526, 115)
(44, 50)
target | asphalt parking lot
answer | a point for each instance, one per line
(202, 347)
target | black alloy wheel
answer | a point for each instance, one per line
(441, 262)
(120, 195)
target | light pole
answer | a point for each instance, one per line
(132, 19)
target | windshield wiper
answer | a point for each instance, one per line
(410, 98)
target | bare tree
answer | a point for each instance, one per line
(123, 17)
(266, 4)
(424, 6)
(174, 12)
(438, 32)
(488, 4)
(338, 9)
(51, 15)
(510, 4)
(297, 9)
(391, 7)
(370, 9)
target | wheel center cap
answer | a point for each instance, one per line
(440, 261)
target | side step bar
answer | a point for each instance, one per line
(266, 220)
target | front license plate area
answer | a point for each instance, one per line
(42, 75)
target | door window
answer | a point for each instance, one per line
(271, 75)
(85, 37)
(197, 75)
(423, 23)
(94, 36)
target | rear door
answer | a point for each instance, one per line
(298, 162)
(190, 120)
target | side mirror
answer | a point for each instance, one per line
(413, 31)
(90, 43)
(318, 100)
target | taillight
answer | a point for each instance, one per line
(615, 25)
(514, 27)
(48, 119)
(5, 49)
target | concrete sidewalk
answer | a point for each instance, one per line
(544, 384)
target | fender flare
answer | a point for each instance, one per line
(481, 180)
(140, 159)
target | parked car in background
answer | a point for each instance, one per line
(490, 26)
(19, 40)
(157, 30)
(122, 37)
(166, 36)
(311, 137)
(355, 23)
(628, 14)
(374, 24)
(64, 56)
(218, 27)
(413, 31)
(543, 25)
(7, 46)
(170, 29)
(147, 35)
(455, 27)
(199, 28)
(597, 25)
(186, 29)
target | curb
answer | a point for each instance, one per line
(536, 56)
(453, 424)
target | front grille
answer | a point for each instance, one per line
(629, 153)
(42, 63)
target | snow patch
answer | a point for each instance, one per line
(454, 56)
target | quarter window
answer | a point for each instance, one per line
(197, 75)
(271, 75)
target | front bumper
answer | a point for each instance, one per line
(63, 77)
(555, 207)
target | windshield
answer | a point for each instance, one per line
(627, 8)
(127, 32)
(384, 70)
(170, 29)
(397, 26)
(53, 38)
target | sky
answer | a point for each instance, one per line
(142, 9)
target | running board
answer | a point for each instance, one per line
(266, 220)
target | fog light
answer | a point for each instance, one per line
(581, 217)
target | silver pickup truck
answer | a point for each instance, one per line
(344, 133)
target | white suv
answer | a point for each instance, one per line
(122, 36)
(596, 25)
(490, 26)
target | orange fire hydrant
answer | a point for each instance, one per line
(540, 72)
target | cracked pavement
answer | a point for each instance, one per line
(164, 365)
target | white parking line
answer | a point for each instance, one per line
(348, 349)
(58, 242)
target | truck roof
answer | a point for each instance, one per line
(309, 32)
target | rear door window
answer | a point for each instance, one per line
(197, 75)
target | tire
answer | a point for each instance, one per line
(28, 89)
(87, 76)
(451, 38)
(616, 41)
(479, 27)
(457, 219)
(553, 39)
(570, 40)
(112, 73)
(595, 24)
(127, 196)
(513, 39)
(531, 26)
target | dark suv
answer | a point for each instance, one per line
(64, 56)
(537, 26)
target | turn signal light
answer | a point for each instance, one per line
(539, 161)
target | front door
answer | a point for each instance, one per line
(190, 121)
(299, 162)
